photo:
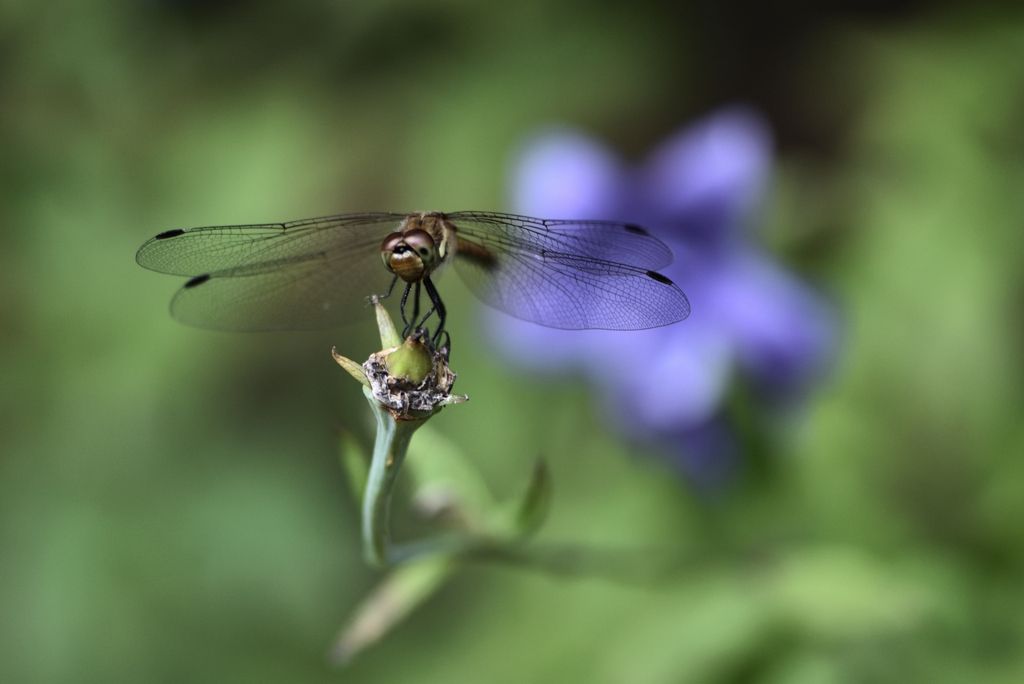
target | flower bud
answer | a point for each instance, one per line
(411, 361)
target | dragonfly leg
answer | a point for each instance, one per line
(390, 288)
(415, 307)
(435, 298)
(401, 307)
(445, 348)
(433, 308)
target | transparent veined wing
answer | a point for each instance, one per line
(574, 275)
(623, 243)
(303, 275)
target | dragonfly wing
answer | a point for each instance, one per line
(572, 292)
(622, 243)
(303, 275)
(308, 295)
(250, 249)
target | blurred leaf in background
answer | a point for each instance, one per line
(171, 506)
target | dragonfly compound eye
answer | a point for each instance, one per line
(421, 242)
(410, 255)
(387, 248)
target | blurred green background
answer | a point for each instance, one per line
(171, 503)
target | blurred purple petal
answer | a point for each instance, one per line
(662, 380)
(785, 333)
(705, 179)
(534, 347)
(750, 316)
(565, 174)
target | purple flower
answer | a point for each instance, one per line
(697, 192)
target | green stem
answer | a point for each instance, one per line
(388, 453)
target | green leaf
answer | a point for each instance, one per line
(389, 336)
(536, 502)
(405, 587)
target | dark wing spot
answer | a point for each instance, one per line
(169, 234)
(652, 275)
(635, 229)
(198, 280)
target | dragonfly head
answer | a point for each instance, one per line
(411, 255)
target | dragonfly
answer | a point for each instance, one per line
(318, 273)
